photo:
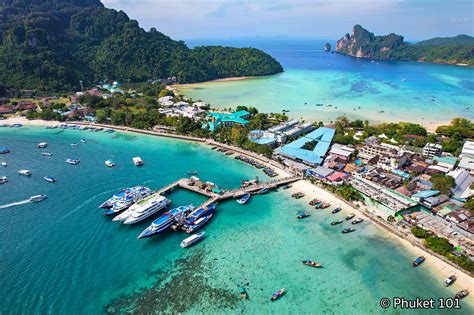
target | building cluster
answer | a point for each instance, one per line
(172, 107)
(279, 134)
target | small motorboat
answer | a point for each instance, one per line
(336, 210)
(461, 294)
(286, 187)
(278, 294)
(192, 173)
(37, 198)
(302, 215)
(110, 163)
(243, 293)
(83, 140)
(42, 145)
(311, 263)
(4, 150)
(3, 180)
(193, 239)
(74, 144)
(336, 222)
(350, 216)
(73, 161)
(25, 172)
(418, 261)
(262, 191)
(450, 281)
(4, 164)
(348, 230)
(137, 161)
(46, 154)
(357, 221)
(49, 179)
(245, 198)
(298, 195)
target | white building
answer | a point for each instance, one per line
(166, 100)
(467, 164)
(463, 182)
(432, 149)
(468, 149)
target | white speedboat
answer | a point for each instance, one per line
(137, 161)
(3, 180)
(83, 141)
(24, 172)
(74, 144)
(193, 239)
(73, 161)
(49, 179)
(4, 164)
(145, 208)
(42, 145)
(110, 163)
(46, 154)
(38, 198)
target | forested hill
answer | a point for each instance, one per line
(51, 45)
(364, 44)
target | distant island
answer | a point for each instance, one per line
(54, 45)
(364, 44)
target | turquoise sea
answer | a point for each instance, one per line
(62, 256)
(426, 93)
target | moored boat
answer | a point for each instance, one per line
(450, 280)
(278, 294)
(348, 230)
(302, 215)
(4, 150)
(73, 161)
(418, 261)
(245, 198)
(262, 191)
(37, 198)
(74, 144)
(461, 294)
(350, 216)
(311, 263)
(336, 210)
(125, 198)
(192, 173)
(3, 180)
(24, 172)
(286, 187)
(83, 141)
(46, 154)
(298, 195)
(42, 145)
(357, 221)
(4, 164)
(50, 179)
(243, 293)
(137, 161)
(164, 222)
(336, 222)
(193, 239)
(145, 208)
(196, 225)
(110, 163)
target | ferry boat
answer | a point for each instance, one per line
(73, 161)
(24, 172)
(42, 145)
(245, 198)
(350, 216)
(4, 151)
(49, 179)
(145, 208)
(348, 230)
(357, 221)
(3, 180)
(46, 154)
(302, 215)
(336, 222)
(196, 225)
(278, 294)
(336, 210)
(4, 164)
(164, 222)
(193, 239)
(38, 198)
(137, 161)
(450, 281)
(125, 198)
(110, 163)
(461, 294)
(311, 263)
(418, 261)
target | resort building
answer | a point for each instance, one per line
(467, 164)
(265, 138)
(448, 162)
(310, 149)
(280, 133)
(166, 101)
(226, 119)
(468, 149)
(319, 172)
(432, 149)
(383, 155)
(341, 152)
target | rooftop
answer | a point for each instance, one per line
(451, 160)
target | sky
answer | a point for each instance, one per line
(324, 19)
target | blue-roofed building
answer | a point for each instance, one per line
(226, 119)
(321, 140)
(424, 194)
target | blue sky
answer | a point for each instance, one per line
(326, 19)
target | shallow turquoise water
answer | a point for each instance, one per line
(384, 91)
(62, 256)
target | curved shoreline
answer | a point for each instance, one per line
(437, 264)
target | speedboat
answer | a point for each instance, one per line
(37, 198)
(49, 179)
(461, 294)
(336, 222)
(4, 151)
(302, 215)
(42, 145)
(348, 230)
(196, 225)
(137, 161)
(278, 294)
(244, 199)
(199, 213)
(193, 239)
(164, 222)
(74, 144)
(311, 263)
(83, 141)
(3, 180)
(357, 221)
(192, 173)
(25, 172)
(73, 161)
(125, 198)
(262, 191)
(145, 208)
(110, 163)
(4, 164)
(350, 216)
(418, 261)
(287, 187)
(336, 210)
(46, 154)
(450, 281)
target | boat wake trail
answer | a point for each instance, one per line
(18, 203)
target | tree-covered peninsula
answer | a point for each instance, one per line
(364, 44)
(52, 45)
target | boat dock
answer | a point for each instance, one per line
(214, 194)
